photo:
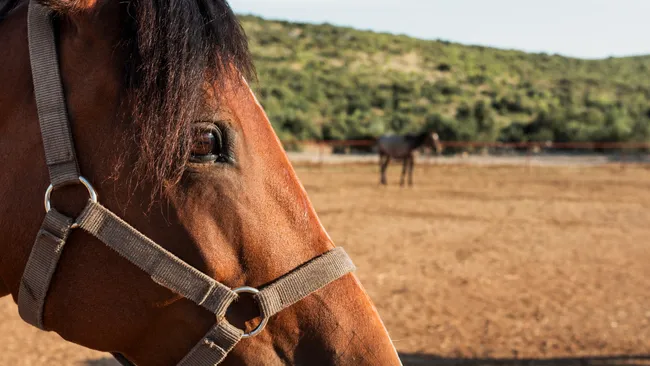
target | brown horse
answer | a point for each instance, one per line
(176, 144)
(402, 147)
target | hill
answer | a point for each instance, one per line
(327, 82)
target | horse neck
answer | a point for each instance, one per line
(15, 204)
(4, 290)
(7, 6)
(418, 141)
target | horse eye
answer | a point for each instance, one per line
(206, 146)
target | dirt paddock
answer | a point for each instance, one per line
(474, 262)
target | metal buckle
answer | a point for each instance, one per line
(91, 192)
(262, 325)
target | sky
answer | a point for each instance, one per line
(576, 28)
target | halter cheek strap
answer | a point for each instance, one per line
(50, 100)
(164, 267)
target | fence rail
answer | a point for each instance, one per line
(505, 145)
(622, 153)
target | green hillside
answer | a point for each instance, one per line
(326, 82)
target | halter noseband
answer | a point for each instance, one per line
(164, 267)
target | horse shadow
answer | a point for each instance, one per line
(420, 359)
(104, 361)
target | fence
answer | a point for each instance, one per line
(588, 146)
(622, 152)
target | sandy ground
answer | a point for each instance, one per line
(499, 263)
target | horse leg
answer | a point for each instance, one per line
(404, 169)
(411, 165)
(383, 164)
(381, 168)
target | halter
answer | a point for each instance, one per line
(164, 267)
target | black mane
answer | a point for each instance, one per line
(417, 140)
(174, 49)
(176, 46)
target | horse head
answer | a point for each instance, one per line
(175, 143)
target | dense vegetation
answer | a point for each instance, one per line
(326, 82)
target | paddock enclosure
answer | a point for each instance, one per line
(498, 263)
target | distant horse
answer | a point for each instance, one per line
(402, 147)
(194, 198)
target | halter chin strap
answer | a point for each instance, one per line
(164, 267)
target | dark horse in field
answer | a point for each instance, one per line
(402, 147)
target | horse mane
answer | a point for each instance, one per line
(174, 49)
(417, 139)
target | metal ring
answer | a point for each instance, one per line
(262, 325)
(91, 192)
